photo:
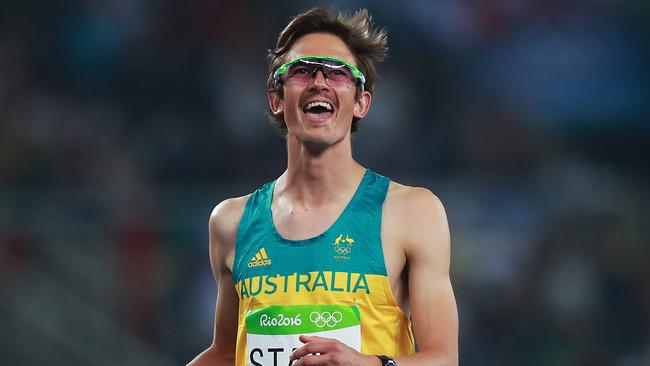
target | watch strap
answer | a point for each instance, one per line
(386, 360)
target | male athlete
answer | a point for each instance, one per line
(330, 264)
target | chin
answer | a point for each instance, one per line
(316, 139)
(319, 133)
(321, 137)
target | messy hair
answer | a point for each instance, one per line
(367, 43)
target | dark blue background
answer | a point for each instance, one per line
(122, 124)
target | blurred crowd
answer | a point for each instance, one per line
(122, 124)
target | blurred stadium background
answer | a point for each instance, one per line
(122, 124)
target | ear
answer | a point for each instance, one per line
(362, 105)
(275, 102)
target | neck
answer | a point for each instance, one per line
(317, 175)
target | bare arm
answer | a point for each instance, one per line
(418, 226)
(433, 305)
(223, 225)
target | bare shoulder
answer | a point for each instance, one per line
(408, 197)
(418, 216)
(414, 203)
(225, 217)
(223, 225)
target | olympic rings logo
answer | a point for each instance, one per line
(325, 318)
(342, 250)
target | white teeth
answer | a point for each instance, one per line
(318, 104)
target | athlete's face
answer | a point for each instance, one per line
(328, 121)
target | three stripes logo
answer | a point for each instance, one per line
(260, 259)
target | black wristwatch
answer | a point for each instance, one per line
(387, 360)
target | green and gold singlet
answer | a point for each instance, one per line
(333, 285)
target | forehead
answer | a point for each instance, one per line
(320, 44)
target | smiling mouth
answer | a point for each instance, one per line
(318, 107)
(318, 111)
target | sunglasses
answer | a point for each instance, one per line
(337, 72)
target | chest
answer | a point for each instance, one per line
(300, 224)
(335, 250)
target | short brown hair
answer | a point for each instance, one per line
(367, 43)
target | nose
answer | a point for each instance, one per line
(319, 79)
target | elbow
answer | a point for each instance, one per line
(213, 356)
(446, 358)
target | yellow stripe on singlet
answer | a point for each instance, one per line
(377, 305)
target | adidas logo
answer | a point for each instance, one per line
(260, 259)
